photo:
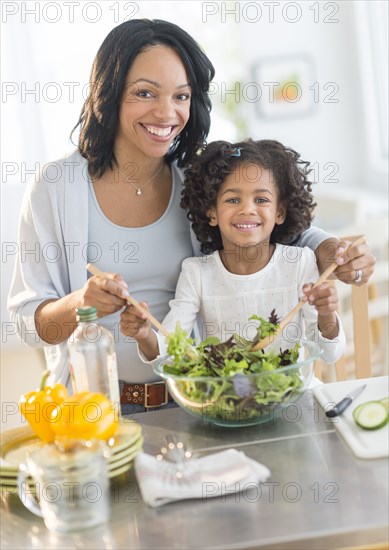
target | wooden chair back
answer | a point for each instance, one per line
(364, 309)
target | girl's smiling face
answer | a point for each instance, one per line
(155, 104)
(247, 207)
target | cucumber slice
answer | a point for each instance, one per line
(357, 410)
(371, 415)
(385, 402)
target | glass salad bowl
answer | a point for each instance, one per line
(243, 398)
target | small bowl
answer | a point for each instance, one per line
(242, 400)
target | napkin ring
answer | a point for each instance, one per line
(175, 451)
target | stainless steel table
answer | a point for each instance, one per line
(319, 495)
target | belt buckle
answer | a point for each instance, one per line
(146, 405)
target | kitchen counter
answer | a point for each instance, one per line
(318, 496)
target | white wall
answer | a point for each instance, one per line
(328, 132)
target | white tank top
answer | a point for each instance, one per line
(149, 259)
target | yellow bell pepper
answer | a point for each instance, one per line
(85, 415)
(37, 406)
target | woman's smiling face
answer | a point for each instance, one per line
(247, 207)
(155, 104)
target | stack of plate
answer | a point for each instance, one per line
(16, 444)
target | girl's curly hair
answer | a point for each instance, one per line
(209, 169)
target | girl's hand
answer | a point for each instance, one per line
(325, 300)
(356, 264)
(107, 294)
(135, 324)
(323, 297)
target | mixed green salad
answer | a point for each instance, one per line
(236, 383)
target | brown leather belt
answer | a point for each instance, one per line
(148, 395)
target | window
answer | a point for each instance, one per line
(372, 27)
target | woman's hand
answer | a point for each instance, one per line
(107, 294)
(55, 319)
(355, 265)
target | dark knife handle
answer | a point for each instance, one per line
(339, 407)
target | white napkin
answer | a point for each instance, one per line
(227, 472)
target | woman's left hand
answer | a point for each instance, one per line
(356, 264)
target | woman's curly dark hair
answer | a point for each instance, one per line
(209, 169)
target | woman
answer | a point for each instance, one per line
(115, 201)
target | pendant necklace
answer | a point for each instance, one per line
(139, 189)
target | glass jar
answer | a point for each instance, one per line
(92, 357)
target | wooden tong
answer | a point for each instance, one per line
(324, 276)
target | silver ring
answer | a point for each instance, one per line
(358, 276)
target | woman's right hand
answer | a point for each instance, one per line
(55, 319)
(135, 324)
(107, 294)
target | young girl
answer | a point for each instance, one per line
(244, 200)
